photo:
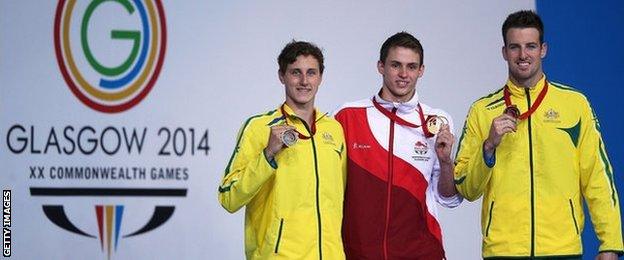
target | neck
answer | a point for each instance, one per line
(388, 96)
(527, 83)
(303, 111)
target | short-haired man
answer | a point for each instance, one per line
(288, 169)
(533, 150)
(399, 165)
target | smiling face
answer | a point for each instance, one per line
(301, 80)
(524, 52)
(401, 70)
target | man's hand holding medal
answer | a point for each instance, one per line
(501, 125)
(439, 126)
(281, 136)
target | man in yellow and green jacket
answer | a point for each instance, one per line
(534, 151)
(288, 169)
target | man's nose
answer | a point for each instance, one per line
(524, 53)
(402, 72)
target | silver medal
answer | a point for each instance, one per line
(289, 138)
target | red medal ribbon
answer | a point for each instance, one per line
(532, 108)
(402, 121)
(313, 127)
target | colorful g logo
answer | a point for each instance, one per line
(107, 88)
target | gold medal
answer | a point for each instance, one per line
(435, 123)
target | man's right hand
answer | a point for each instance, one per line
(275, 141)
(607, 256)
(500, 126)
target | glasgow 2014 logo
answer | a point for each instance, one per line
(109, 217)
(102, 78)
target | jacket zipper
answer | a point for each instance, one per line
(573, 217)
(528, 97)
(389, 187)
(279, 235)
(318, 206)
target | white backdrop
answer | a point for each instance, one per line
(219, 68)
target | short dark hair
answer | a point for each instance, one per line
(523, 19)
(401, 39)
(294, 49)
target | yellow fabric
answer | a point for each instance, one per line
(539, 214)
(284, 204)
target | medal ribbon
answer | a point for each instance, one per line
(402, 121)
(313, 127)
(532, 108)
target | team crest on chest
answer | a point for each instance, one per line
(551, 116)
(420, 149)
(328, 138)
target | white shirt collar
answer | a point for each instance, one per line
(403, 108)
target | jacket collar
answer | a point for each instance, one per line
(533, 90)
(403, 108)
(293, 115)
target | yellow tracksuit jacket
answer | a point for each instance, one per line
(532, 196)
(294, 203)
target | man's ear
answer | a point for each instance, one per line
(421, 70)
(544, 50)
(280, 75)
(504, 52)
(380, 67)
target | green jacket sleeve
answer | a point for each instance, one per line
(471, 173)
(248, 169)
(597, 184)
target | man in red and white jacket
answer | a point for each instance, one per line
(399, 163)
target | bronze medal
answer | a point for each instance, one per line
(513, 111)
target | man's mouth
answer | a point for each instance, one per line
(523, 64)
(402, 83)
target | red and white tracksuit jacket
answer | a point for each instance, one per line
(392, 177)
